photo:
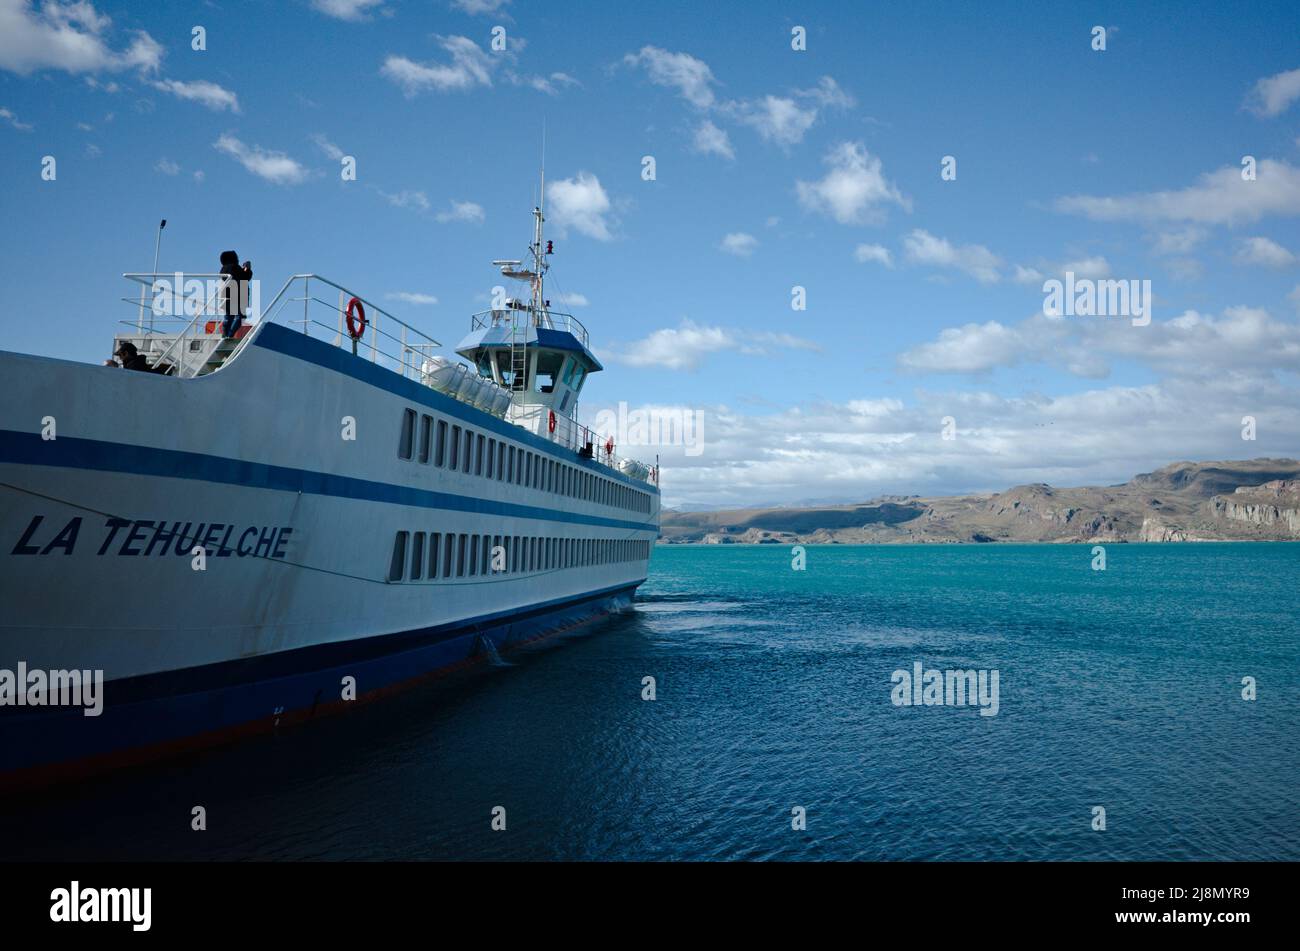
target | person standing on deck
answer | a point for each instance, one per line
(235, 291)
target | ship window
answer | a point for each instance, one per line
(478, 454)
(455, 448)
(514, 555)
(460, 556)
(487, 555)
(501, 461)
(491, 455)
(447, 549)
(510, 470)
(569, 364)
(467, 456)
(564, 402)
(577, 378)
(496, 545)
(417, 554)
(439, 452)
(426, 426)
(398, 563)
(528, 468)
(473, 555)
(408, 432)
(435, 538)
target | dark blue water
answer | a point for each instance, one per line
(1118, 688)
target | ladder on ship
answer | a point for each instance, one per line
(518, 353)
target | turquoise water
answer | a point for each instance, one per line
(1118, 688)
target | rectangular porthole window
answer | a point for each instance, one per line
(491, 456)
(408, 433)
(447, 552)
(439, 454)
(426, 428)
(478, 454)
(460, 556)
(398, 563)
(473, 555)
(435, 540)
(417, 555)
(467, 457)
(486, 555)
(455, 448)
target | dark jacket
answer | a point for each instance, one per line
(235, 292)
(137, 362)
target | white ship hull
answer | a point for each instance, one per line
(299, 590)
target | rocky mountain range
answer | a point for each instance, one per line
(1249, 500)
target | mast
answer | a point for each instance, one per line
(539, 250)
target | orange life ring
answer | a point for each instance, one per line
(356, 318)
(550, 420)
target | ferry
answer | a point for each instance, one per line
(314, 512)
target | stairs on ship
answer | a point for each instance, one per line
(218, 357)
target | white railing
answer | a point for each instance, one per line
(570, 434)
(391, 341)
(549, 319)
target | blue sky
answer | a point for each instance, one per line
(774, 168)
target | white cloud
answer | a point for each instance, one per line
(685, 347)
(346, 9)
(1095, 436)
(1191, 344)
(462, 211)
(475, 7)
(274, 167)
(1264, 252)
(710, 140)
(20, 126)
(873, 252)
(406, 199)
(67, 36)
(778, 119)
(167, 167)
(1219, 197)
(921, 247)
(470, 66)
(1273, 95)
(785, 120)
(739, 243)
(573, 300)
(1027, 275)
(551, 85)
(853, 188)
(408, 297)
(691, 77)
(201, 91)
(971, 348)
(199, 176)
(1092, 268)
(330, 150)
(1181, 241)
(582, 204)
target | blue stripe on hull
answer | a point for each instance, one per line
(169, 709)
(74, 452)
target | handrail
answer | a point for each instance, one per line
(504, 316)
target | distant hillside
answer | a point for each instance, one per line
(1251, 500)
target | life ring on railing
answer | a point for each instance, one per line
(609, 446)
(550, 420)
(356, 318)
